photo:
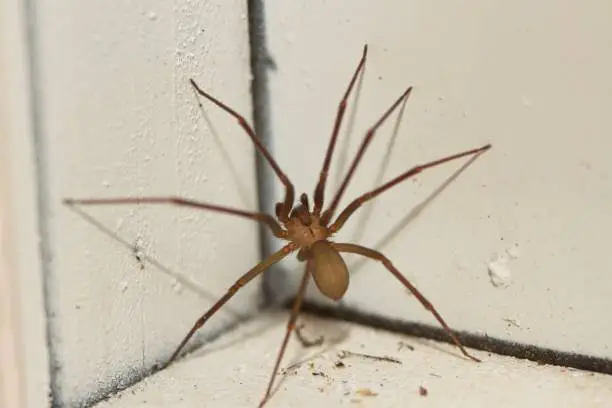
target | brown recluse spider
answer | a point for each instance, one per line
(307, 231)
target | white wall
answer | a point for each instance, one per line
(119, 118)
(531, 78)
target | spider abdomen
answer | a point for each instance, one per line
(329, 271)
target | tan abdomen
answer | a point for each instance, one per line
(330, 272)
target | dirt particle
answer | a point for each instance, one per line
(402, 345)
(366, 392)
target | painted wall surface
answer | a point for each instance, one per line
(119, 118)
(513, 246)
(516, 245)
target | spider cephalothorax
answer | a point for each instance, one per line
(304, 227)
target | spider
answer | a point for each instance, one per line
(306, 229)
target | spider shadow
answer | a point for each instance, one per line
(365, 213)
(203, 348)
(364, 216)
(238, 180)
(350, 124)
(413, 214)
(339, 336)
(430, 344)
(158, 266)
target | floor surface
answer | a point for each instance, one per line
(357, 366)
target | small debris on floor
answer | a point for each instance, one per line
(512, 322)
(423, 391)
(366, 392)
(345, 353)
(402, 345)
(339, 364)
(292, 369)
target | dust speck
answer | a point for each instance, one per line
(366, 392)
(512, 322)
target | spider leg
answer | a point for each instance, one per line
(319, 193)
(353, 206)
(244, 279)
(295, 311)
(329, 212)
(377, 256)
(257, 216)
(289, 190)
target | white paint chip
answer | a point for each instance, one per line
(514, 252)
(499, 272)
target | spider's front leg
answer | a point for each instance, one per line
(244, 279)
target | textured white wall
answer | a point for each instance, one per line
(532, 79)
(119, 118)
